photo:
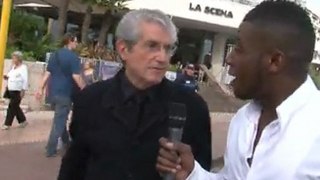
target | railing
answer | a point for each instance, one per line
(204, 71)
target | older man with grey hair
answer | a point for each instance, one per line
(117, 123)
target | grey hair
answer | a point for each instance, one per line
(128, 27)
(18, 55)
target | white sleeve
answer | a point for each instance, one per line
(24, 74)
(198, 173)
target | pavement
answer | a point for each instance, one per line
(22, 150)
(219, 100)
(26, 161)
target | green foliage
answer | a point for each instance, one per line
(315, 74)
(27, 34)
(112, 5)
(43, 45)
(29, 56)
(91, 2)
(173, 67)
(25, 28)
(96, 52)
(9, 51)
(108, 4)
(37, 51)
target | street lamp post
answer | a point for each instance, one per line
(5, 16)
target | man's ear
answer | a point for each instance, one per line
(276, 61)
(122, 49)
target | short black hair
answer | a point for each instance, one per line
(291, 27)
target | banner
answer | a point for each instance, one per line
(108, 69)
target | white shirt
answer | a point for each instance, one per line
(289, 147)
(18, 78)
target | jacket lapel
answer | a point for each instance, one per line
(126, 115)
(112, 102)
(156, 111)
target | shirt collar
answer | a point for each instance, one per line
(130, 91)
(296, 100)
(253, 111)
(289, 106)
(127, 88)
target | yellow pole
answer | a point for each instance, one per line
(5, 15)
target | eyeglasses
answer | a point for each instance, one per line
(154, 46)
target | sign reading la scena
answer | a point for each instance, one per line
(211, 10)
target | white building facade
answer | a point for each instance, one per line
(208, 27)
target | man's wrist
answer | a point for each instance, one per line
(192, 173)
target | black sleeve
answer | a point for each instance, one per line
(197, 131)
(74, 162)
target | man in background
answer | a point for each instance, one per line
(187, 78)
(62, 77)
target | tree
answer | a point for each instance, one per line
(62, 19)
(87, 20)
(112, 7)
(27, 34)
(314, 72)
(24, 28)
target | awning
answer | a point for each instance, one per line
(34, 5)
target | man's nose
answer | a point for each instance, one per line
(163, 56)
(229, 58)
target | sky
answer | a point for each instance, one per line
(314, 6)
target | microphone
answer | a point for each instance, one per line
(177, 118)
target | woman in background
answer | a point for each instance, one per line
(88, 74)
(17, 84)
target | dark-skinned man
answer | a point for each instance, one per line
(277, 135)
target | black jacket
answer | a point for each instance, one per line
(104, 147)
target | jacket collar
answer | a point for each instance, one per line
(113, 99)
(115, 96)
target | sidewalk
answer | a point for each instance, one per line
(27, 162)
(23, 150)
(37, 130)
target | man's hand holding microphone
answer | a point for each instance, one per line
(175, 158)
